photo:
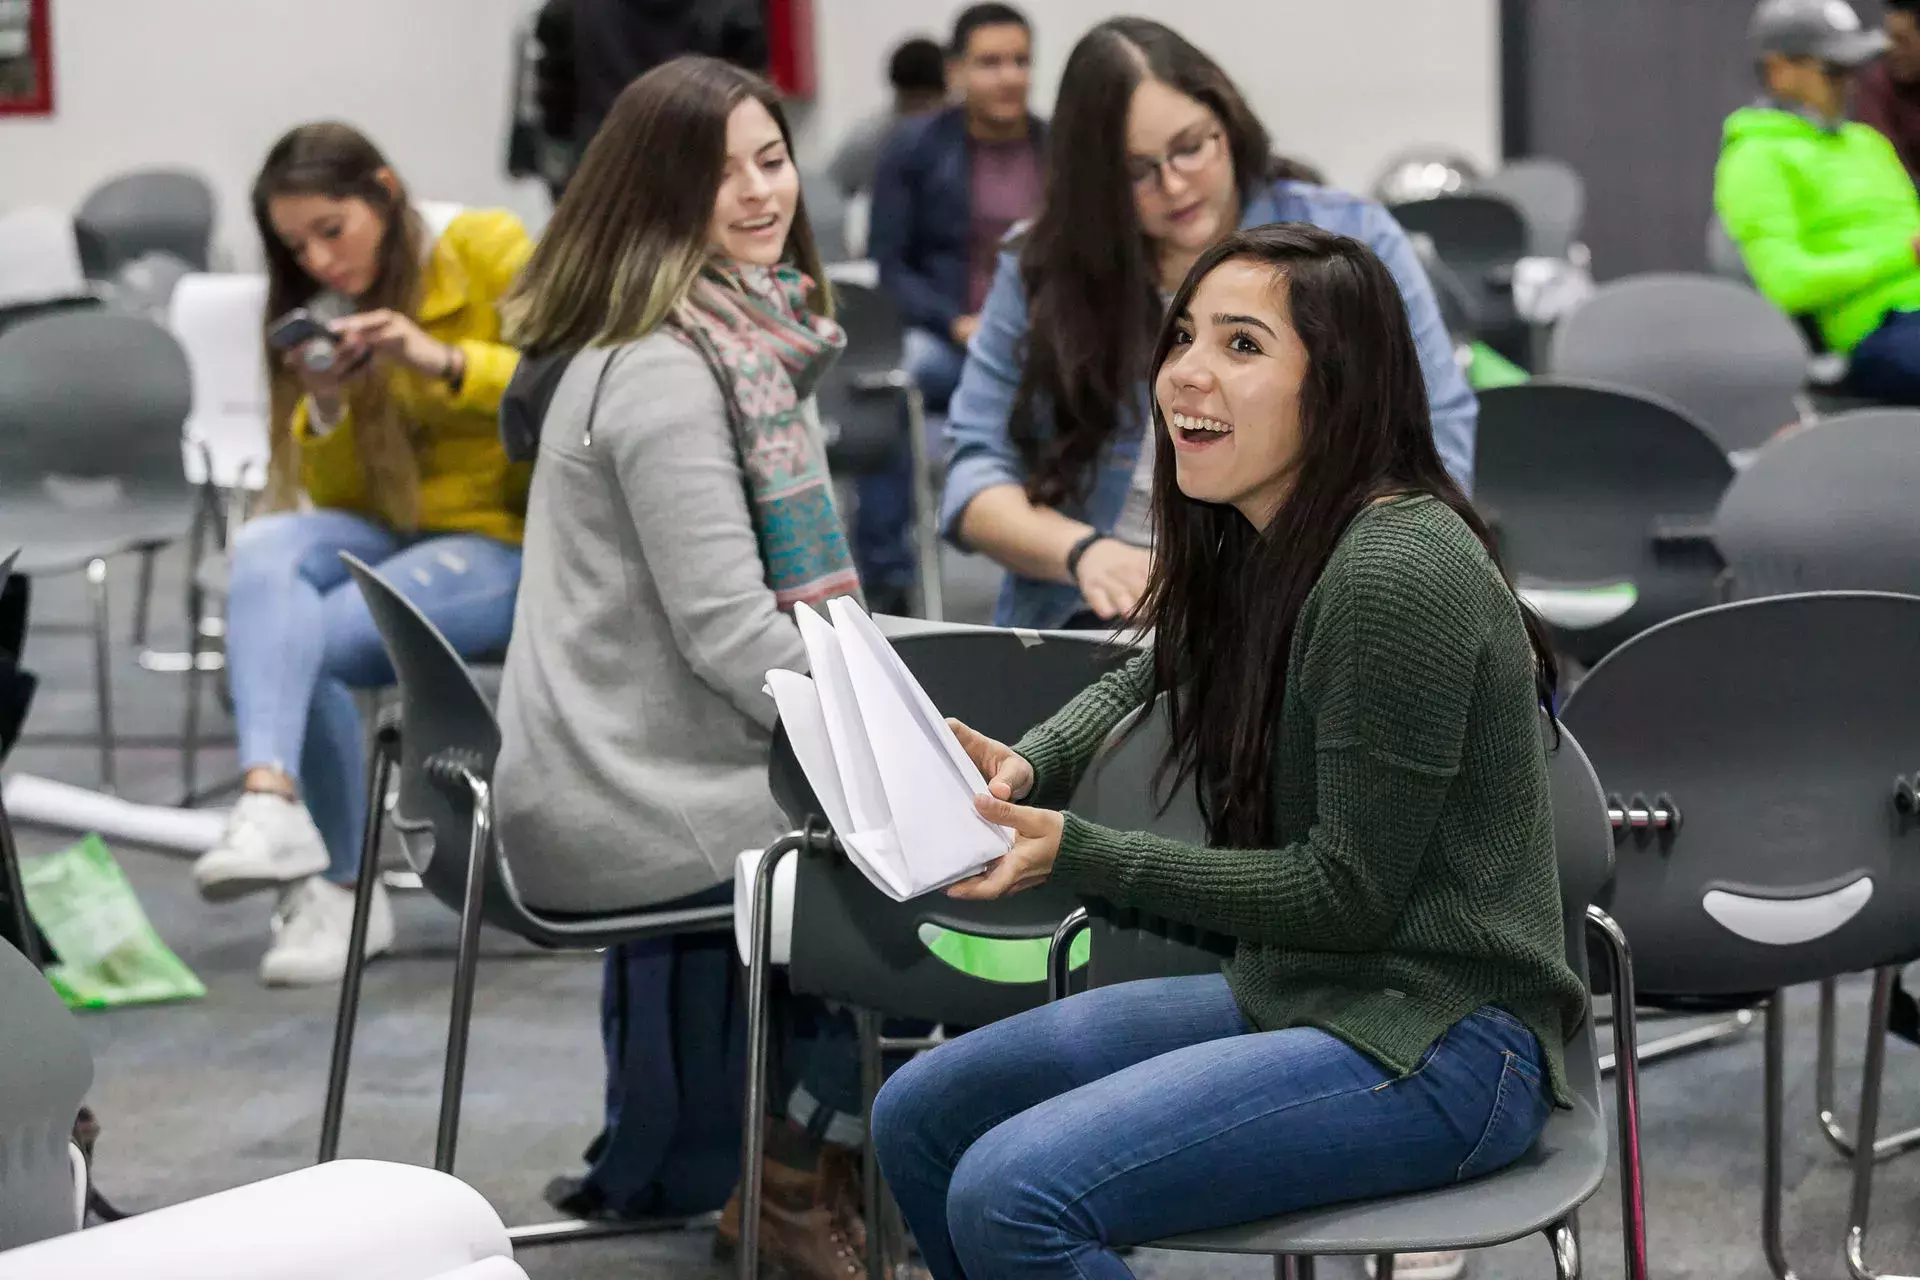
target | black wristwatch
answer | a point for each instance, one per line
(1078, 550)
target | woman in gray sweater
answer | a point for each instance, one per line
(680, 507)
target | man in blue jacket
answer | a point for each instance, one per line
(949, 188)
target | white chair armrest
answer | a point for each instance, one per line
(360, 1218)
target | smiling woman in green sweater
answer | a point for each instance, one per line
(1355, 694)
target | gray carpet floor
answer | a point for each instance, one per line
(226, 1090)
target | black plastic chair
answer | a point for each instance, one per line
(1718, 350)
(1551, 197)
(445, 740)
(1828, 508)
(1601, 500)
(15, 892)
(169, 210)
(869, 407)
(1757, 757)
(45, 1072)
(853, 944)
(1539, 1194)
(1477, 238)
(91, 410)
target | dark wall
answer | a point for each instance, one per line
(1632, 93)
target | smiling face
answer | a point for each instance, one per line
(759, 190)
(1229, 391)
(1181, 167)
(335, 240)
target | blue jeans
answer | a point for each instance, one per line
(883, 520)
(1037, 1145)
(299, 639)
(1886, 364)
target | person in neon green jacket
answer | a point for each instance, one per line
(1824, 212)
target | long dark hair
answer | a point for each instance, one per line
(1093, 296)
(630, 235)
(1223, 596)
(339, 162)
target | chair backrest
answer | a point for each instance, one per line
(45, 1072)
(218, 320)
(1718, 350)
(1778, 730)
(1723, 253)
(1471, 231)
(1549, 194)
(1828, 508)
(1118, 791)
(1579, 478)
(866, 428)
(89, 394)
(166, 209)
(851, 942)
(39, 257)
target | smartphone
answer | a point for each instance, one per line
(296, 329)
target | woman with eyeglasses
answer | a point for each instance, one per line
(1154, 156)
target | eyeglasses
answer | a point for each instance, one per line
(1184, 158)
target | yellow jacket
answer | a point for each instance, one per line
(466, 483)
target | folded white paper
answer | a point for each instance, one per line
(894, 781)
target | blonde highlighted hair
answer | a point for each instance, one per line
(339, 162)
(629, 237)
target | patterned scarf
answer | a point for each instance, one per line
(769, 351)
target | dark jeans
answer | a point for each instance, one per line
(883, 520)
(1037, 1145)
(673, 1020)
(1886, 364)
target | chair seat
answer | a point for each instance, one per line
(1563, 1169)
(57, 537)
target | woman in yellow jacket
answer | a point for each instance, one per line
(395, 444)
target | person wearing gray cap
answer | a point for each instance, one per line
(1825, 215)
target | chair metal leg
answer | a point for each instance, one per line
(1680, 1042)
(16, 891)
(190, 720)
(759, 978)
(102, 678)
(868, 1024)
(926, 515)
(1565, 1242)
(1823, 1088)
(379, 770)
(460, 1017)
(1383, 1266)
(143, 600)
(1626, 1086)
(1865, 1154)
(1293, 1268)
(1775, 1118)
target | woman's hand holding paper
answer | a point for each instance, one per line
(1008, 776)
(1036, 843)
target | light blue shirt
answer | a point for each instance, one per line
(981, 452)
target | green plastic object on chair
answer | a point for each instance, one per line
(1488, 368)
(109, 953)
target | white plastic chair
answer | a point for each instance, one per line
(218, 320)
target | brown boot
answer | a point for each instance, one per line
(810, 1223)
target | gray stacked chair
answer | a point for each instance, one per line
(1758, 758)
(1601, 499)
(870, 407)
(168, 210)
(853, 944)
(1827, 508)
(1551, 197)
(445, 739)
(45, 1071)
(1477, 237)
(1721, 352)
(1541, 1193)
(91, 410)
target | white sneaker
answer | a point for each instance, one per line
(310, 934)
(270, 842)
(1425, 1266)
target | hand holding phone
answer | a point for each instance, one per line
(314, 352)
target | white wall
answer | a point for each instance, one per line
(209, 84)
(1342, 83)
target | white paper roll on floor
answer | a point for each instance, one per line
(744, 869)
(57, 804)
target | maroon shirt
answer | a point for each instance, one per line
(1004, 188)
(1891, 107)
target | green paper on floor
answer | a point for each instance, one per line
(110, 954)
(999, 959)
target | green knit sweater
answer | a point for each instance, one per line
(1415, 879)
